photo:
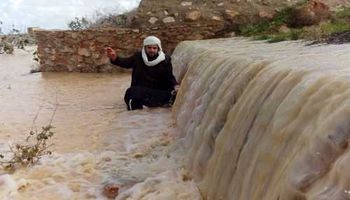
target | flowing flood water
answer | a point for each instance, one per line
(96, 141)
(265, 121)
(252, 121)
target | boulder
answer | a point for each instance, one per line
(311, 13)
(186, 3)
(168, 20)
(217, 18)
(84, 52)
(266, 14)
(284, 29)
(153, 20)
(193, 15)
(230, 13)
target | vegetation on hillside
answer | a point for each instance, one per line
(282, 27)
(286, 24)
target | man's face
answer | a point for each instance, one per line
(151, 50)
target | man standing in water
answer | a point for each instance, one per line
(152, 81)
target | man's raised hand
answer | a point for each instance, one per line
(111, 53)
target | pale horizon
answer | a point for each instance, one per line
(21, 14)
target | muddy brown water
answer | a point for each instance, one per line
(96, 141)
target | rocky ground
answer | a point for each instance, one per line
(152, 12)
(232, 16)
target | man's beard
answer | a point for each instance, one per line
(150, 58)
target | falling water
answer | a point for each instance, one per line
(265, 121)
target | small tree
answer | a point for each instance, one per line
(120, 20)
(1, 28)
(79, 24)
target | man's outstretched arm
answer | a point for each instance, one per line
(116, 60)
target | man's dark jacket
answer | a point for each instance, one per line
(158, 77)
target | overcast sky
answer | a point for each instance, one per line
(55, 14)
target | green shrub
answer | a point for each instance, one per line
(320, 32)
(343, 13)
(262, 37)
(267, 26)
(254, 29)
(278, 38)
(269, 30)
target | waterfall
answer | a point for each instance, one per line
(265, 121)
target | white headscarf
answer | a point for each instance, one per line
(152, 40)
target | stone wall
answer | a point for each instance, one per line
(83, 51)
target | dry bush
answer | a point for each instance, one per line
(30, 152)
(27, 154)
